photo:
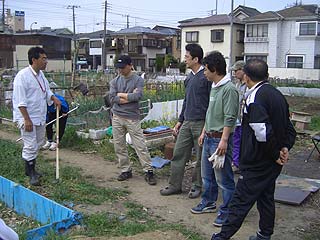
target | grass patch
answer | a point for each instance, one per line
(6, 112)
(72, 187)
(315, 123)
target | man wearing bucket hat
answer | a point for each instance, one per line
(237, 69)
(125, 93)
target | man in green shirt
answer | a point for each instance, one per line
(216, 138)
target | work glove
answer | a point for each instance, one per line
(218, 161)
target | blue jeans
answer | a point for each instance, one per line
(222, 177)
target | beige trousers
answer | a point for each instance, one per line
(121, 126)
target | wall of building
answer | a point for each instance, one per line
(208, 46)
(293, 44)
(295, 73)
(20, 57)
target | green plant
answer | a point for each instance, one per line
(159, 63)
(315, 123)
(6, 112)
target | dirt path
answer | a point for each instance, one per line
(289, 220)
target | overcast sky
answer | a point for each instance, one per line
(89, 14)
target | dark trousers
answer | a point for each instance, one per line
(62, 126)
(251, 189)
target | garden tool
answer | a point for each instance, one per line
(57, 149)
(75, 108)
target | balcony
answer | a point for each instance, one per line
(256, 39)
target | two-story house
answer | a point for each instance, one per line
(173, 38)
(90, 48)
(213, 32)
(289, 38)
(142, 44)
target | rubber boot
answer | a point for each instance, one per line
(34, 178)
(259, 236)
(27, 169)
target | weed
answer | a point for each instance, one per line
(315, 123)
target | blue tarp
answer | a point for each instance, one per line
(156, 129)
(159, 162)
(26, 202)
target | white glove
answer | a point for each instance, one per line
(218, 161)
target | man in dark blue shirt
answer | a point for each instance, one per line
(191, 122)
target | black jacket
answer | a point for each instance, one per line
(266, 129)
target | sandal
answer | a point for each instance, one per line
(169, 190)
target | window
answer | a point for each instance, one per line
(217, 35)
(192, 37)
(307, 29)
(294, 61)
(262, 57)
(257, 30)
(95, 44)
(317, 62)
(132, 45)
(240, 36)
(152, 62)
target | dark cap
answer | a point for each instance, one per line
(123, 61)
(238, 65)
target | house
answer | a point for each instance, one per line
(287, 40)
(142, 44)
(90, 48)
(56, 42)
(174, 39)
(213, 32)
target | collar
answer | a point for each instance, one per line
(250, 90)
(33, 71)
(223, 81)
(200, 68)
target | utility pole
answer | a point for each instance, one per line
(231, 34)
(127, 20)
(216, 7)
(103, 45)
(74, 43)
(3, 17)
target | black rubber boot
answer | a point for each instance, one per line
(259, 236)
(27, 169)
(150, 178)
(34, 178)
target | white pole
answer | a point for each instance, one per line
(57, 140)
(19, 139)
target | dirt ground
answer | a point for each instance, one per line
(292, 222)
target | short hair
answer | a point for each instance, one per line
(35, 52)
(256, 69)
(215, 62)
(195, 50)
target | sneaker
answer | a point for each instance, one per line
(53, 146)
(124, 176)
(220, 220)
(201, 208)
(46, 146)
(150, 178)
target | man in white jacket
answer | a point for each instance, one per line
(31, 94)
(6, 233)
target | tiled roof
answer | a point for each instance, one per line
(247, 10)
(296, 12)
(137, 30)
(220, 19)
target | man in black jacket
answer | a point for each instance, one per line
(267, 137)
